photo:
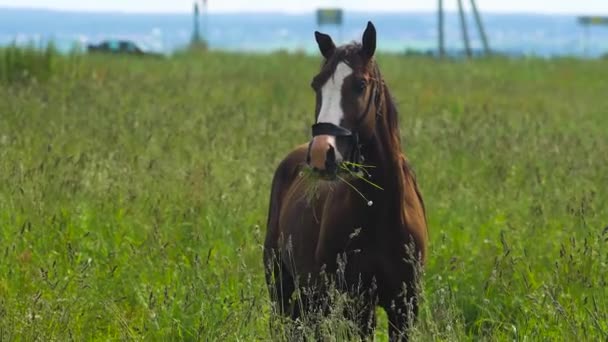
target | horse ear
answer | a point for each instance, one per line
(369, 41)
(326, 45)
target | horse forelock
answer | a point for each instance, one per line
(348, 54)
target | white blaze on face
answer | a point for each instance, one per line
(331, 97)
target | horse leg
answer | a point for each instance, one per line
(366, 321)
(280, 284)
(402, 312)
(362, 310)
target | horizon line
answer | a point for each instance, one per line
(281, 12)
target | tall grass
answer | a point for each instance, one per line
(22, 64)
(133, 194)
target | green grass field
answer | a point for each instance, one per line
(134, 193)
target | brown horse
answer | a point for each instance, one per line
(362, 218)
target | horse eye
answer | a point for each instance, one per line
(360, 85)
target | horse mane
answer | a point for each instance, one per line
(388, 133)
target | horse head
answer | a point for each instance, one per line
(348, 99)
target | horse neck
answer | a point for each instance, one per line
(386, 171)
(386, 156)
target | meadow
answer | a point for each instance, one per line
(134, 193)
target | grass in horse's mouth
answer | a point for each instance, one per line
(346, 174)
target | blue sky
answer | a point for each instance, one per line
(599, 7)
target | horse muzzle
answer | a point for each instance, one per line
(323, 156)
(323, 153)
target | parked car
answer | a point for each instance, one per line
(119, 47)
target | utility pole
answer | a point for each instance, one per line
(463, 28)
(205, 10)
(196, 32)
(440, 29)
(482, 33)
(465, 33)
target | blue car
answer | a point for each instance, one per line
(118, 47)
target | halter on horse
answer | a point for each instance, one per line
(380, 247)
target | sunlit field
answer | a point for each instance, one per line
(134, 193)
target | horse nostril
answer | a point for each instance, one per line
(308, 153)
(330, 160)
(331, 154)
